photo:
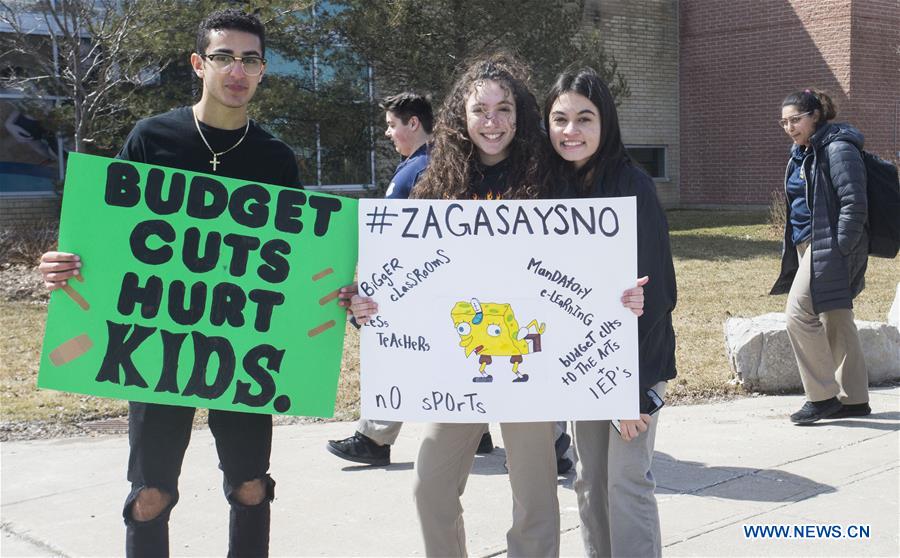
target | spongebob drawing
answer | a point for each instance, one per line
(490, 330)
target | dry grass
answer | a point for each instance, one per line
(347, 405)
(778, 211)
(22, 326)
(725, 262)
(25, 244)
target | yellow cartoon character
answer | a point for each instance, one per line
(491, 329)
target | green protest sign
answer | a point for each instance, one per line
(199, 290)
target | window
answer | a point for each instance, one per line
(650, 158)
(30, 152)
(327, 113)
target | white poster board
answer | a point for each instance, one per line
(498, 310)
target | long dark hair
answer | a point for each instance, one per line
(454, 156)
(611, 154)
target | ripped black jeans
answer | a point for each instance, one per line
(159, 435)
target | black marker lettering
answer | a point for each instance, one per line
(204, 347)
(168, 378)
(153, 192)
(324, 207)
(288, 210)
(190, 250)
(207, 198)
(132, 293)
(142, 232)
(263, 378)
(413, 211)
(248, 205)
(119, 349)
(122, 188)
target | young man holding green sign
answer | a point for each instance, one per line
(214, 136)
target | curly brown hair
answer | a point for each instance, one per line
(454, 156)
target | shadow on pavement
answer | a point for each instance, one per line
(493, 463)
(733, 483)
(865, 422)
(405, 466)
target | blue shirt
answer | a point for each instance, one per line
(407, 174)
(801, 225)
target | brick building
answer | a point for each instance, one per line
(738, 60)
(643, 39)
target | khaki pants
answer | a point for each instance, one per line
(383, 432)
(615, 489)
(826, 345)
(442, 469)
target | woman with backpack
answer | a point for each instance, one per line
(824, 257)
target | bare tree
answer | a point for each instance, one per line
(91, 53)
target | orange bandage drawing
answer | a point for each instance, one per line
(329, 297)
(324, 273)
(320, 328)
(79, 300)
(71, 349)
(74, 295)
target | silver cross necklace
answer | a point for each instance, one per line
(215, 160)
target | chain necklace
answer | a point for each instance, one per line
(215, 159)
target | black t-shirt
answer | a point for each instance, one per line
(489, 182)
(171, 140)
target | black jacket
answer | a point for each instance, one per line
(656, 337)
(839, 243)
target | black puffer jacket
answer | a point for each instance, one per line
(839, 242)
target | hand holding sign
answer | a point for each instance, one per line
(363, 308)
(57, 267)
(633, 298)
(210, 292)
(498, 310)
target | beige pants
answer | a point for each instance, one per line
(615, 490)
(442, 469)
(384, 432)
(826, 345)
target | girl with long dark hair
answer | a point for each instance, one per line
(614, 483)
(488, 144)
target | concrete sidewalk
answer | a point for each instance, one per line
(719, 467)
